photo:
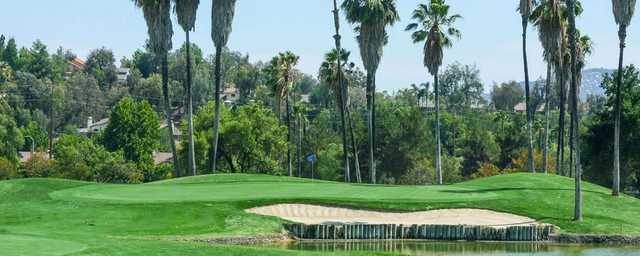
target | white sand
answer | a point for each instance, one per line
(312, 214)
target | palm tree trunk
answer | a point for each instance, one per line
(216, 124)
(167, 112)
(288, 115)
(192, 155)
(547, 114)
(299, 151)
(561, 123)
(438, 143)
(622, 34)
(345, 144)
(372, 162)
(342, 96)
(529, 109)
(575, 115)
(354, 146)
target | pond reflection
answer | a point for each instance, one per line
(460, 248)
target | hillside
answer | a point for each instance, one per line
(79, 218)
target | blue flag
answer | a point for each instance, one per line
(311, 158)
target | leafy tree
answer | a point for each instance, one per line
(598, 148)
(101, 65)
(461, 86)
(371, 18)
(251, 139)
(133, 128)
(434, 26)
(478, 146)
(37, 60)
(10, 54)
(84, 99)
(11, 138)
(37, 136)
(144, 61)
(623, 11)
(506, 96)
(77, 157)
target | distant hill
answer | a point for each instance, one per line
(591, 82)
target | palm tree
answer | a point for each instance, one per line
(623, 12)
(186, 11)
(371, 17)
(526, 6)
(575, 115)
(331, 73)
(547, 18)
(282, 72)
(222, 18)
(584, 47)
(348, 78)
(342, 89)
(300, 112)
(434, 26)
(547, 118)
(157, 14)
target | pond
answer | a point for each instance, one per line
(424, 248)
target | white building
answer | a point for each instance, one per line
(94, 127)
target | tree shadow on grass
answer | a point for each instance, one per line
(467, 191)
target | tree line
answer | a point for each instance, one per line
(431, 133)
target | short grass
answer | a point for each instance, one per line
(59, 217)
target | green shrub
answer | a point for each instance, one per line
(7, 169)
(421, 173)
(38, 166)
(79, 158)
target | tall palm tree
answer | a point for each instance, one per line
(371, 17)
(342, 89)
(623, 12)
(526, 6)
(547, 119)
(300, 111)
(575, 114)
(434, 26)
(282, 69)
(331, 73)
(547, 18)
(186, 11)
(584, 47)
(348, 79)
(157, 14)
(222, 18)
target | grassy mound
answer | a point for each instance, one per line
(153, 218)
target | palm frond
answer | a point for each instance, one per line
(186, 10)
(623, 11)
(222, 14)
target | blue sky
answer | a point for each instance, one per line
(491, 34)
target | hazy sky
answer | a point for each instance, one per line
(491, 34)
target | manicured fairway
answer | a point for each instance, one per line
(58, 217)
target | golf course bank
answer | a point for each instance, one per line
(204, 215)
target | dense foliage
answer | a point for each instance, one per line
(481, 136)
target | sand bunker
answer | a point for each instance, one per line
(312, 214)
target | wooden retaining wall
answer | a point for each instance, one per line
(419, 232)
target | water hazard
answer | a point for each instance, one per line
(422, 248)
